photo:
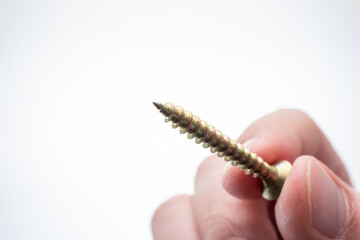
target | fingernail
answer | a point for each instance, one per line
(251, 142)
(247, 144)
(227, 166)
(327, 205)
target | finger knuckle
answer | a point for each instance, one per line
(204, 166)
(298, 116)
(162, 211)
(294, 111)
(220, 227)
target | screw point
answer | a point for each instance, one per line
(157, 105)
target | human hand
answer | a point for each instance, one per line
(316, 202)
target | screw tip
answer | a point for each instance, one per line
(157, 105)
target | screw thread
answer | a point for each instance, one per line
(218, 142)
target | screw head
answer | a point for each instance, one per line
(272, 186)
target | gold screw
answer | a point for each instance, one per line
(272, 177)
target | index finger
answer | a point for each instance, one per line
(282, 135)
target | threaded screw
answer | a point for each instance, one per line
(273, 177)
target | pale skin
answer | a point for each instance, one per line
(317, 200)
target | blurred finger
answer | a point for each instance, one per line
(174, 219)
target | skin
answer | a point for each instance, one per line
(227, 204)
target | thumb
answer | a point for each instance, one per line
(316, 204)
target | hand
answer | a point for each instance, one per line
(316, 202)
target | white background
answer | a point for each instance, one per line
(83, 152)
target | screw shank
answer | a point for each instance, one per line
(273, 177)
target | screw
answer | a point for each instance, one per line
(272, 177)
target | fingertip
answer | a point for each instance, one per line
(240, 185)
